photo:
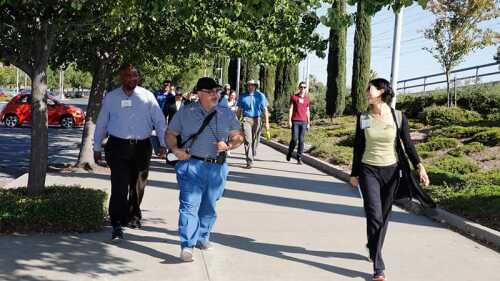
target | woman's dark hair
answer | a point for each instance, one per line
(384, 85)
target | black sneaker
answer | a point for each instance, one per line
(299, 162)
(117, 233)
(288, 157)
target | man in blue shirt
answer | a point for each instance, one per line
(128, 115)
(161, 97)
(252, 105)
(202, 169)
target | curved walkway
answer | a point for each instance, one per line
(277, 221)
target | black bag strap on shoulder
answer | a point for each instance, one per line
(205, 123)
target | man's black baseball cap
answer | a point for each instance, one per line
(206, 83)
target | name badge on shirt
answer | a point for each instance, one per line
(126, 103)
(301, 100)
(365, 122)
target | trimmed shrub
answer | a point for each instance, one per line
(439, 177)
(456, 165)
(490, 137)
(58, 209)
(438, 143)
(442, 115)
(459, 131)
(467, 149)
(493, 117)
(480, 203)
(347, 141)
(336, 154)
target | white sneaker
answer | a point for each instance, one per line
(205, 245)
(187, 254)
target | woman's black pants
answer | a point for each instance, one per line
(378, 185)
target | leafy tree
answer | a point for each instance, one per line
(27, 38)
(456, 31)
(7, 76)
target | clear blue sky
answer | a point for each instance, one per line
(414, 61)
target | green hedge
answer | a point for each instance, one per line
(456, 165)
(437, 143)
(491, 137)
(467, 149)
(456, 131)
(59, 209)
(442, 115)
(484, 99)
(478, 203)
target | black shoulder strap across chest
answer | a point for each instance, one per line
(205, 123)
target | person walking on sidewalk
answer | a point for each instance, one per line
(299, 118)
(252, 105)
(128, 115)
(208, 131)
(161, 97)
(378, 164)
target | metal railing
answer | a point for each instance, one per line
(426, 84)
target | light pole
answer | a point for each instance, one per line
(396, 46)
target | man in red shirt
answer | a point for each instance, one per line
(299, 118)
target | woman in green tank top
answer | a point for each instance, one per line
(375, 165)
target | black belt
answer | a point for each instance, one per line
(128, 141)
(206, 159)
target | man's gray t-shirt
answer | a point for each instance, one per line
(188, 120)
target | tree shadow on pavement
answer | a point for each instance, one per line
(281, 251)
(27, 257)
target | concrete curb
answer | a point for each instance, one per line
(469, 228)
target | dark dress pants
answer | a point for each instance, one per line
(378, 185)
(129, 164)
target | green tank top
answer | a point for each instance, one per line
(380, 149)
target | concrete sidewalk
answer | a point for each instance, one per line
(277, 221)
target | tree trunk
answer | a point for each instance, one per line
(336, 82)
(231, 72)
(39, 125)
(361, 60)
(248, 72)
(287, 75)
(267, 80)
(99, 79)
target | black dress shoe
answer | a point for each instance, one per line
(135, 222)
(299, 162)
(117, 233)
(288, 157)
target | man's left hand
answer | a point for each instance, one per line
(222, 146)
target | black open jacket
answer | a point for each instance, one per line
(408, 187)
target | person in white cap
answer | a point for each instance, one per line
(252, 105)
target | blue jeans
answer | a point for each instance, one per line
(201, 184)
(155, 142)
(298, 131)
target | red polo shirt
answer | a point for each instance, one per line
(300, 106)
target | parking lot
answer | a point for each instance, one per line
(15, 146)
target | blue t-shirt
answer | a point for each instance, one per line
(188, 120)
(161, 97)
(252, 105)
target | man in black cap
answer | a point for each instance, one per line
(209, 130)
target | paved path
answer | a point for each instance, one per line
(278, 221)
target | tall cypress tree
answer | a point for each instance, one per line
(267, 74)
(336, 82)
(287, 75)
(362, 55)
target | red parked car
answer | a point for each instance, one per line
(18, 111)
